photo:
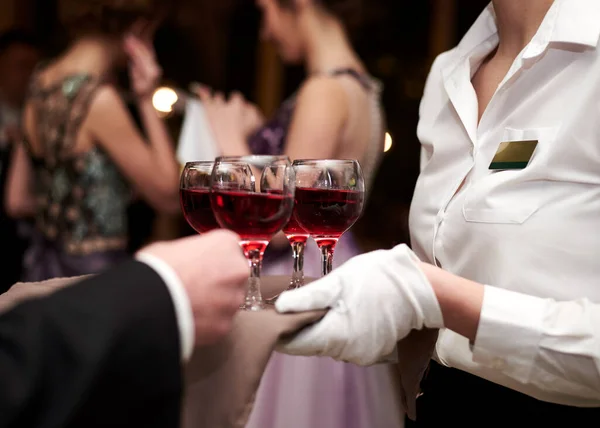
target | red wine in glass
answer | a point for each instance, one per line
(253, 196)
(294, 232)
(328, 213)
(256, 217)
(197, 210)
(297, 237)
(329, 198)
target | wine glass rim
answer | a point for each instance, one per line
(198, 163)
(239, 162)
(324, 161)
(250, 157)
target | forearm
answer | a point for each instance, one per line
(460, 299)
(20, 201)
(552, 345)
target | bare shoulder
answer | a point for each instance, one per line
(320, 114)
(107, 111)
(327, 89)
(106, 99)
(109, 120)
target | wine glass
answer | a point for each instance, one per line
(253, 196)
(194, 196)
(329, 199)
(297, 237)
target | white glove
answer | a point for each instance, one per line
(375, 300)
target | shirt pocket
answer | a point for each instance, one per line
(510, 196)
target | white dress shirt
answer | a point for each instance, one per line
(532, 234)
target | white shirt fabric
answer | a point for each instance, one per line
(532, 234)
(196, 141)
(181, 302)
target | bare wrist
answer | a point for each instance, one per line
(460, 300)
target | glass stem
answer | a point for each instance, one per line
(253, 295)
(298, 272)
(327, 258)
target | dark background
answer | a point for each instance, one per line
(216, 42)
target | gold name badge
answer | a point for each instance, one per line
(513, 154)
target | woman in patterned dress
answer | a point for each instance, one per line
(82, 156)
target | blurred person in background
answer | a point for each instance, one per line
(18, 57)
(82, 156)
(335, 114)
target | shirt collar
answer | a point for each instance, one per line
(482, 30)
(578, 22)
(568, 21)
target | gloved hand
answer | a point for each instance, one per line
(374, 301)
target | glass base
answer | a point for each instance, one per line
(294, 284)
(253, 303)
(252, 308)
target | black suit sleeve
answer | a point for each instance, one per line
(104, 352)
(12, 246)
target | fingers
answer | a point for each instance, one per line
(229, 258)
(207, 96)
(139, 52)
(202, 91)
(327, 337)
(220, 239)
(222, 235)
(237, 98)
(143, 68)
(133, 46)
(321, 294)
(218, 98)
(306, 343)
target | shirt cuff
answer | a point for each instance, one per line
(181, 302)
(509, 333)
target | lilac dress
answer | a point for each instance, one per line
(318, 392)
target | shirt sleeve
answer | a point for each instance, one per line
(552, 345)
(181, 302)
(423, 159)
